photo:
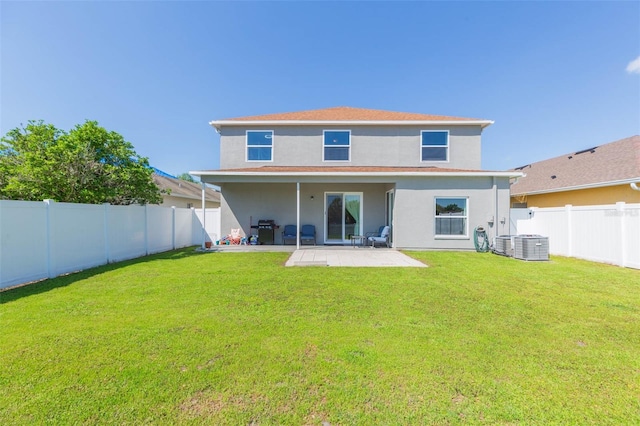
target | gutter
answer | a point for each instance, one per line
(358, 174)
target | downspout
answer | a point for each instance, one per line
(634, 186)
(495, 207)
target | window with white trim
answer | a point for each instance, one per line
(259, 145)
(336, 145)
(451, 216)
(434, 145)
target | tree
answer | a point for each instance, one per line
(87, 165)
(186, 176)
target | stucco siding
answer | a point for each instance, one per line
(582, 197)
(414, 224)
(370, 146)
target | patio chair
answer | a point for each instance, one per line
(382, 238)
(308, 233)
(290, 233)
(374, 234)
(235, 237)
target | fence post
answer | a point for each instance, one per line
(204, 216)
(107, 243)
(173, 227)
(567, 209)
(49, 204)
(193, 216)
(146, 229)
(620, 208)
(1, 208)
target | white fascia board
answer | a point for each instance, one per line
(357, 174)
(219, 124)
(578, 187)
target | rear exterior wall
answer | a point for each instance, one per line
(243, 204)
(391, 146)
(414, 210)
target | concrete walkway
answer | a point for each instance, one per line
(350, 256)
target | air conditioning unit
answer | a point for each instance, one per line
(504, 245)
(531, 247)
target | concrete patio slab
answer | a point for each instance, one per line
(351, 257)
(344, 256)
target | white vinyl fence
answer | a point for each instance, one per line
(211, 223)
(46, 239)
(605, 233)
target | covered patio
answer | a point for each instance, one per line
(339, 202)
(342, 202)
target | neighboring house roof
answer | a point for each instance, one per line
(611, 164)
(162, 173)
(183, 189)
(348, 115)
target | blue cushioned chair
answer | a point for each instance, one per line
(382, 238)
(290, 233)
(308, 234)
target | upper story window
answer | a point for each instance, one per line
(451, 217)
(337, 145)
(259, 145)
(434, 145)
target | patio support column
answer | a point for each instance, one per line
(204, 218)
(297, 215)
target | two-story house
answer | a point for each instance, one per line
(348, 171)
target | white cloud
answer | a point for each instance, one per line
(634, 66)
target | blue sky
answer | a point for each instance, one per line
(555, 76)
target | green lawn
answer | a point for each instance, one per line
(236, 338)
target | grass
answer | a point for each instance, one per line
(236, 338)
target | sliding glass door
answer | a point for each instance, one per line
(343, 212)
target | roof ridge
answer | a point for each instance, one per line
(349, 113)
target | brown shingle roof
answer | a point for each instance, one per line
(184, 189)
(349, 114)
(615, 161)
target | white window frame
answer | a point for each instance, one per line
(447, 146)
(324, 132)
(466, 216)
(247, 146)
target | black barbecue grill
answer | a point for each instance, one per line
(266, 231)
